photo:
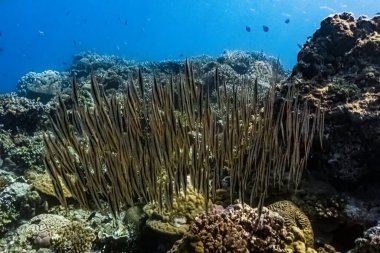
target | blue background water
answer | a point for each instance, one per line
(41, 34)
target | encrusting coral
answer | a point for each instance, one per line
(175, 221)
(43, 184)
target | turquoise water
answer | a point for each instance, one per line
(40, 35)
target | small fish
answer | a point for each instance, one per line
(377, 13)
(180, 55)
(265, 28)
(92, 215)
(287, 21)
(64, 63)
(299, 45)
(74, 42)
(84, 20)
(248, 29)
(41, 33)
(126, 22)
(67, 13)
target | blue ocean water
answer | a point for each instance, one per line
(41, 34)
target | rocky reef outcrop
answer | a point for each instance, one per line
(339, 69)
(342, 45)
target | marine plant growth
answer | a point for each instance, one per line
(145, 145)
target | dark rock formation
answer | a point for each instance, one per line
(342, 44)
(339, 68)
(370, 242)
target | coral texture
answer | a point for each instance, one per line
(237, 229)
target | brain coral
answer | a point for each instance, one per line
(294, 217)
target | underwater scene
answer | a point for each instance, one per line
(190, 126)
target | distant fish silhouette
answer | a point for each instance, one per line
(1, 34)
(299, 45)
(265, 28)
(377, 13)
(180, 55)
(287, 21)
(126, 22)
(84, 20)
(248, 29)
(67, 13)
(74, 42)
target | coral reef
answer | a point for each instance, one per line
(17, 201)
(43, 86)
(337, 68)
(19, 114)
(114, 72)
(110, 234)
(24, 150)
(55, 232)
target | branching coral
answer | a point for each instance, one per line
(236, 229)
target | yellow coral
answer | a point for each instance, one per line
(166, 228)
(294, 217)
(43, 184)
(176, 220)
